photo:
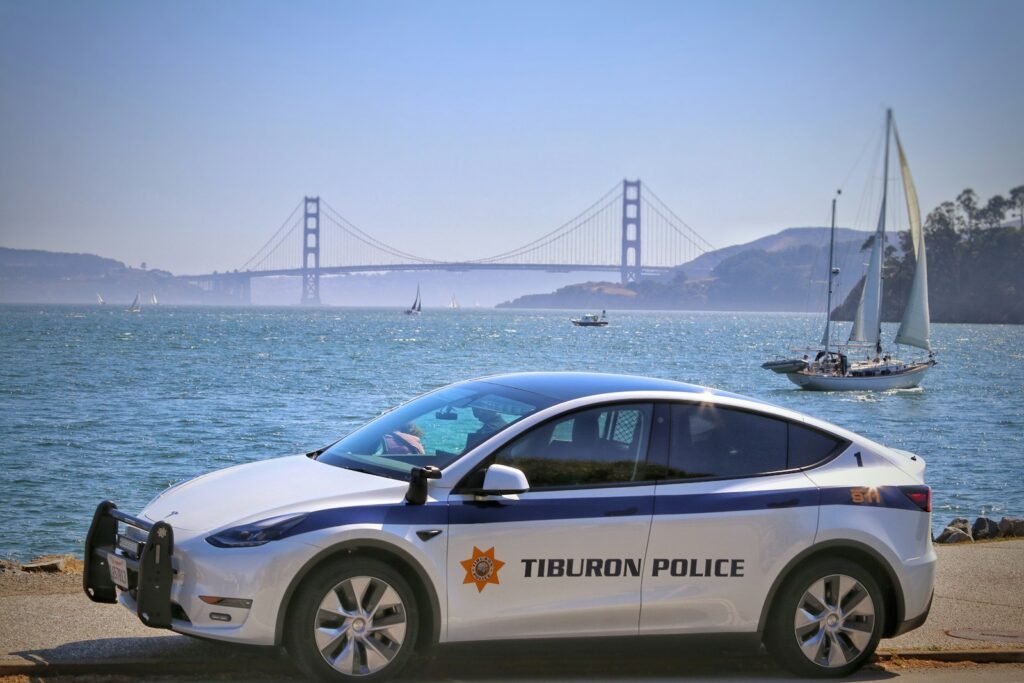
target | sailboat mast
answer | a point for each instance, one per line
(831, 256)
(881, 224)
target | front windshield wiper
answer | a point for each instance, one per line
(366, 470)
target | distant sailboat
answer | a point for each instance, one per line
(417, 305)
(99, 299)
(831, 368)
(453, 304)
(153, 300)
(136, 307)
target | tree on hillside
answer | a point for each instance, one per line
(1017, 201)
(994, 212)
(968, 201)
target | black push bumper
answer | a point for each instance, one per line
(150, 570)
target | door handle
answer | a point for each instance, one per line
(625, 512)
(788, 503)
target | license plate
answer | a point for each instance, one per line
(118, 570)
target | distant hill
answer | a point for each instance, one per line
(790, 238)
(974, 276)
(781, 272)
(34, 276)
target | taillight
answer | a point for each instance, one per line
(921, 496)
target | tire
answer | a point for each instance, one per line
(826, 620)
(353, 620)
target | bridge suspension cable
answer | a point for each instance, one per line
(689, 234)
(335, 217)
(256, 259)
(562, 231)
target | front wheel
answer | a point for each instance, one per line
(353, 620)
(827, 619)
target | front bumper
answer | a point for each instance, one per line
(150, 569)
(171, 578)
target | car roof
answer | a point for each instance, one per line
(566, 386)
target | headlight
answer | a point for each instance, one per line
(257, 533)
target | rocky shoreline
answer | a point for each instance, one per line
(960, 530)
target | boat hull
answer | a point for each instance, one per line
(586, 323)
(907, 379)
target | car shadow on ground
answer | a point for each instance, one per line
(653, 658)
(608, 659)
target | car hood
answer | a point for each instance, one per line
(258, 490)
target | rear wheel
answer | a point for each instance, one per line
(827, 619)
(353, 620)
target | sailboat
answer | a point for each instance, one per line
(454, 304)
(99, 299)
(417, 305)
(136, 307)
(831, 369)
(153, 300)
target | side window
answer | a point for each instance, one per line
(597, 446)
(809, 446)
(711, 441)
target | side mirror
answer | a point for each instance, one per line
(502, 480)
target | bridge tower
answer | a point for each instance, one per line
(311, 252)
(631, 266)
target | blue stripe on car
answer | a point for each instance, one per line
(497, 511)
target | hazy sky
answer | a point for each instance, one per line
(182, 133)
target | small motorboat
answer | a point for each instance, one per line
(590, 320)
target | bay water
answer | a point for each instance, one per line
(97, 403)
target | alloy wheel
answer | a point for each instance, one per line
(360, 625)
(834, 621)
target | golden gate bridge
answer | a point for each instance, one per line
(628, 230)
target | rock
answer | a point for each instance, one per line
(9, 567)
(985, 528)
(50, 564)
(962, 524)
(953, 535)
(1011, 527)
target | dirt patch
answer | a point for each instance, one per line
(897, 664)
(14, 580)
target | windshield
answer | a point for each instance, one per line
(434, 429)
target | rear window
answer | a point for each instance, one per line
(809, 446)
(709, 441)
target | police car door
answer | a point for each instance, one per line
(566, 557)
(733, 509)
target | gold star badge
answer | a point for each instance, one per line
(482, 568)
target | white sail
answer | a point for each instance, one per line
(914, 328)
(867, 324)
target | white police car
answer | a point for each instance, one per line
(539, 505)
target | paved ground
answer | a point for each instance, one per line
(979, 588)
(961, 673)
